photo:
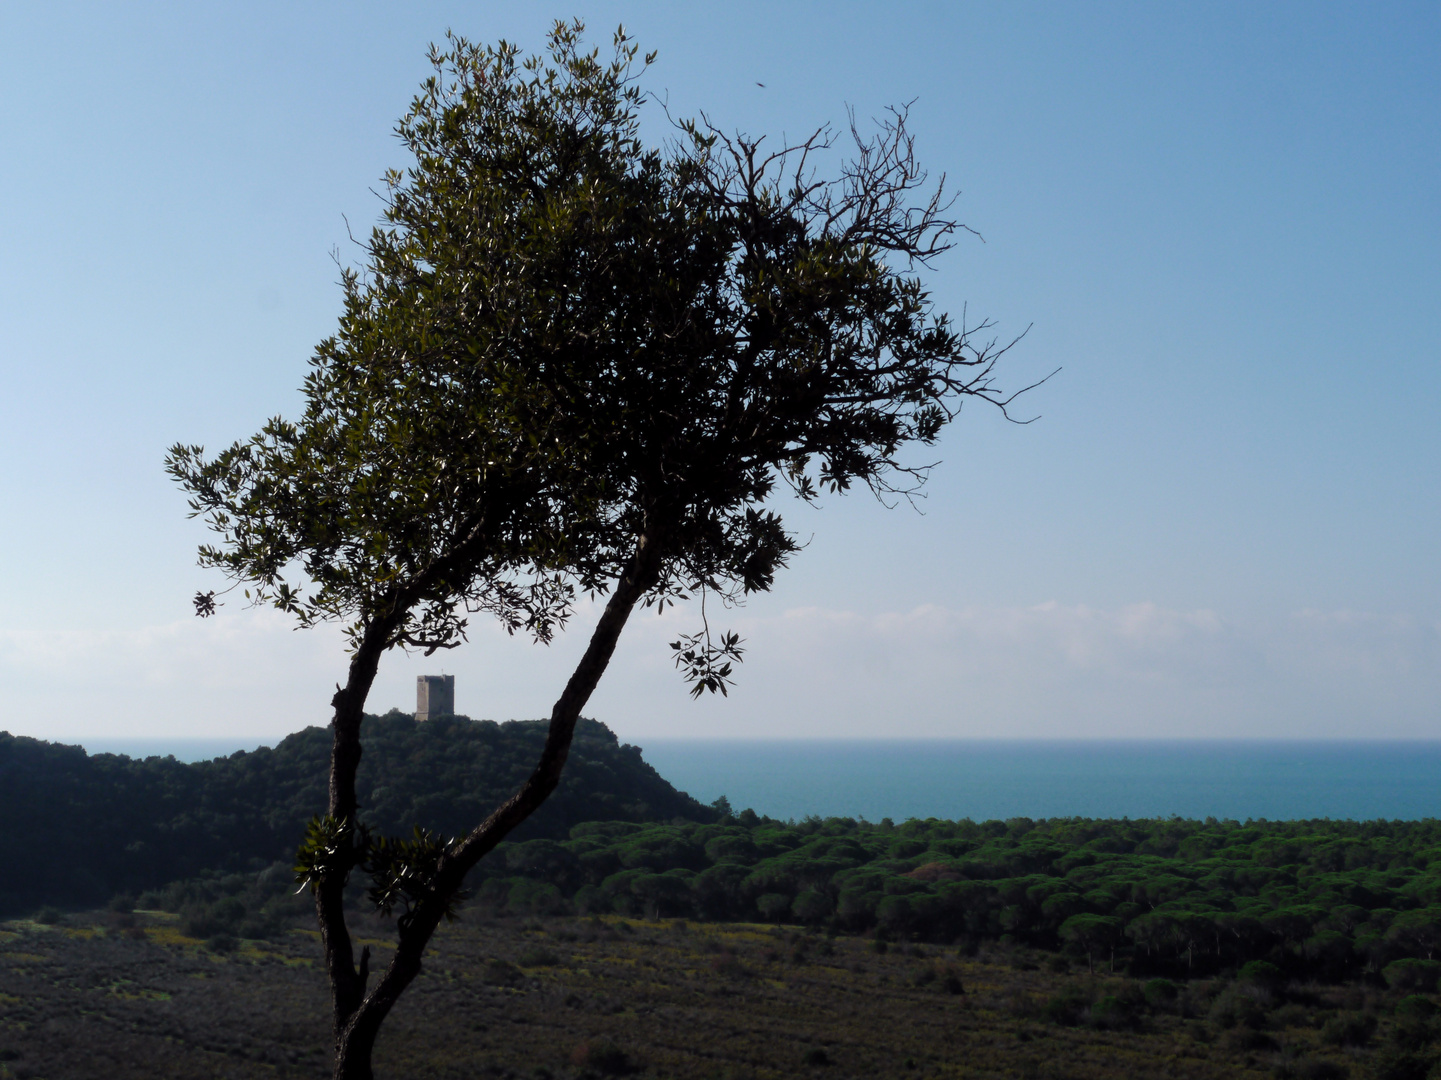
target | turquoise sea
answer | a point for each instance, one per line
(983, 779)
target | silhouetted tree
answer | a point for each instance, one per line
(575, 362)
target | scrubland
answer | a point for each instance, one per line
(128, 995)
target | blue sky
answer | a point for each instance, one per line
(1221, 222)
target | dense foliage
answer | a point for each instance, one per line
(571, 362)
(80, 827)
(1323, 899)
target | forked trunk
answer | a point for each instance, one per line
(347, 983)
(358, 1014)
(353, 1052)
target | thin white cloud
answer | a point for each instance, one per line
(1045, 670)
(1059, 670)
(246, 673)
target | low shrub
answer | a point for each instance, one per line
(1161, 993)
(1249, 1040)
(262, 925)
(1066, 1007)
(223, 916)
(728, 964)
(538, 957)
(1397, 1064)
(1240, 1004)
(1261, 973)
(773, 906)
(1292, 1015)
(1413, 976)
(1112, 1013)
(603, 1056)
(1310, 1068)
(1415, 1007)
(1348, 1029)
(812, 906)
(1413, 1032)
(502, 973)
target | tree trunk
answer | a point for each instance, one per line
(356, 1032)
(347, 984)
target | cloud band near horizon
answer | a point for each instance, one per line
(1048, 670)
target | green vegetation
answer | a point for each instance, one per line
(1322, 900)
(1268, 901)
(1047, 949)
(81, 828)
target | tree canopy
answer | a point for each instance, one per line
(573, 362)
(1325, 900)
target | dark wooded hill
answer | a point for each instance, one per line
(78, 828)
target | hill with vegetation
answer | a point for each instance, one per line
(80, 828)
(1327, 900)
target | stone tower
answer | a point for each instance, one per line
(434, 696)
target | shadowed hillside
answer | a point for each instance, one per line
(80, 828)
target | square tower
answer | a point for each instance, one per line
(434, 696)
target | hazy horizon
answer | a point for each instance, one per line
(983, 779)
(223, 746)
